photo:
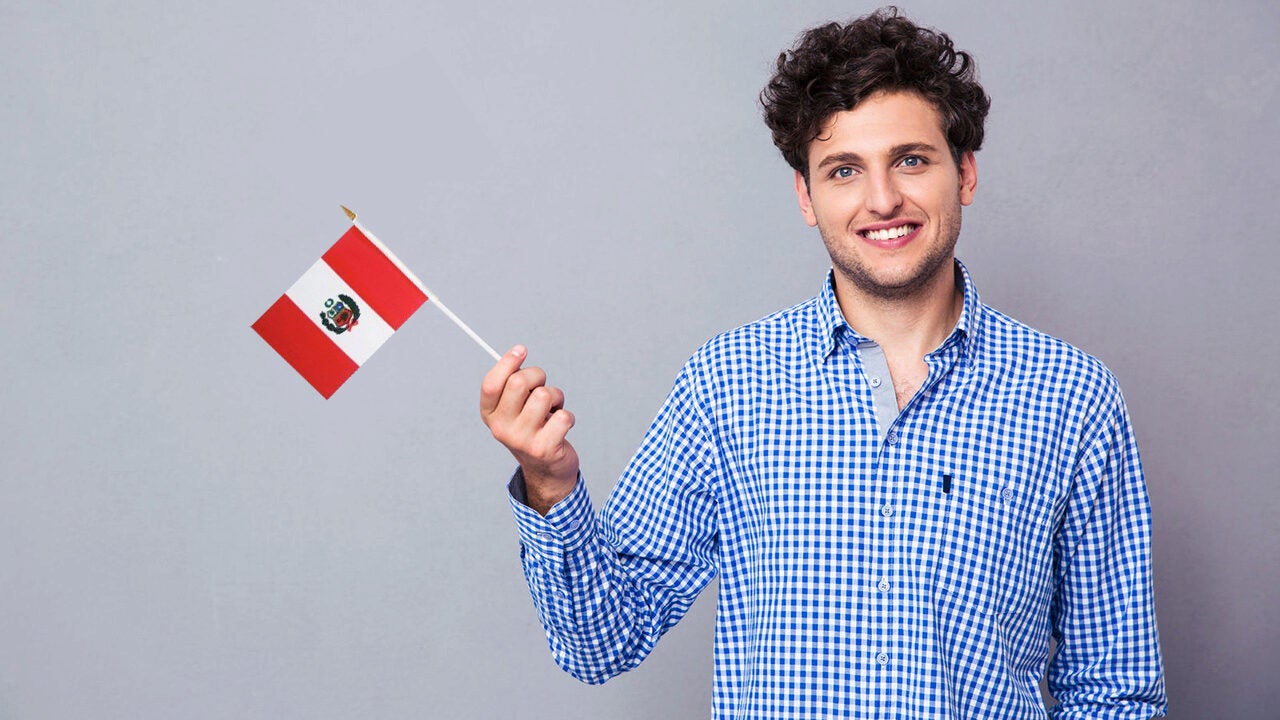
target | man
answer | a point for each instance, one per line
(904, 492)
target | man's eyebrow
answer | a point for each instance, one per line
(843, 158)
(840, 158)
(918, 147)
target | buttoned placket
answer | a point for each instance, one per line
(891, 557)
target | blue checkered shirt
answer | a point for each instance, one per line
(916, 570)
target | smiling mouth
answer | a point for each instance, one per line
(892, 233)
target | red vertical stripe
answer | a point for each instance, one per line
(304, 346)
(375, 278)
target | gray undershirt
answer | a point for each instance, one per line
(876, 369)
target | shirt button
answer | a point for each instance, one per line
(886, 511)
(875, 381)
(883, 586)
(883, 658)
(892, 437)
(1007, 494)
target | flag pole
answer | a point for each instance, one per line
(432, 298)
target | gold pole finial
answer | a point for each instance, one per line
(347, 210)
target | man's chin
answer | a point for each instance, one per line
(900, 291)
(897, 286)
(889, 287)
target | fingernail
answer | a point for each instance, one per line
(519, 351)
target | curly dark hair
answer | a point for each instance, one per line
(834, 67)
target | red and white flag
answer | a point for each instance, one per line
(341, 310)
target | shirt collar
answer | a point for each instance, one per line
(831, 322)
(970, 322)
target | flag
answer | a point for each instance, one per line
(341, 310)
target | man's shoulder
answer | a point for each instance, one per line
(781, 334)
(1026, 353)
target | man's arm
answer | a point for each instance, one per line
(605, 589)
(1108, 661)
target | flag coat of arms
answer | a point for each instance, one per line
(341, 310)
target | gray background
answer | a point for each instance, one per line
(189, 531)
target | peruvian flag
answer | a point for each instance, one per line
(341, 310)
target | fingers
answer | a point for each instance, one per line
(495, 381)
(546, 442)
(542, 402)
(516, 404)
(560, 423)
(519, 388)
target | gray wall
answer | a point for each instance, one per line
(189, 531)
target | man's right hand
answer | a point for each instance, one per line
(528, 417)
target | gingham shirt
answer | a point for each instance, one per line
(909, 571)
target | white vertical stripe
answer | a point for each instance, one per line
(321, 283)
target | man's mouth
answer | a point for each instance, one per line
(892, 233)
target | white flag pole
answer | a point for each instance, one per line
(432, 298)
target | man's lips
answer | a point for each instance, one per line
(890, 235)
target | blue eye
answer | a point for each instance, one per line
(843, 172)
(912, 161)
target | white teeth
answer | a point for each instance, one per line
(889, 233)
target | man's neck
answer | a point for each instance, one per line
(911, 326)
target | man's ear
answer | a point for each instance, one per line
(968, 177)
(806, 203)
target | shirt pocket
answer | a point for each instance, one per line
(993, 549)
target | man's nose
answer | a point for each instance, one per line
(883, 197)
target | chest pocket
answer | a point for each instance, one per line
(993, 550)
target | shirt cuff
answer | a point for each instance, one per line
(564, 529)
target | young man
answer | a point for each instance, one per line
(904, 492)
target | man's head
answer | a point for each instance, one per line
(835, 67)
(880, 119)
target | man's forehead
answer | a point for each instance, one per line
(884, 120)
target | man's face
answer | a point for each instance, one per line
(885, 193)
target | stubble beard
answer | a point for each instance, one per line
(919, 277)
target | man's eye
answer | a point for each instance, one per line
(912, 161)
(843, 172)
